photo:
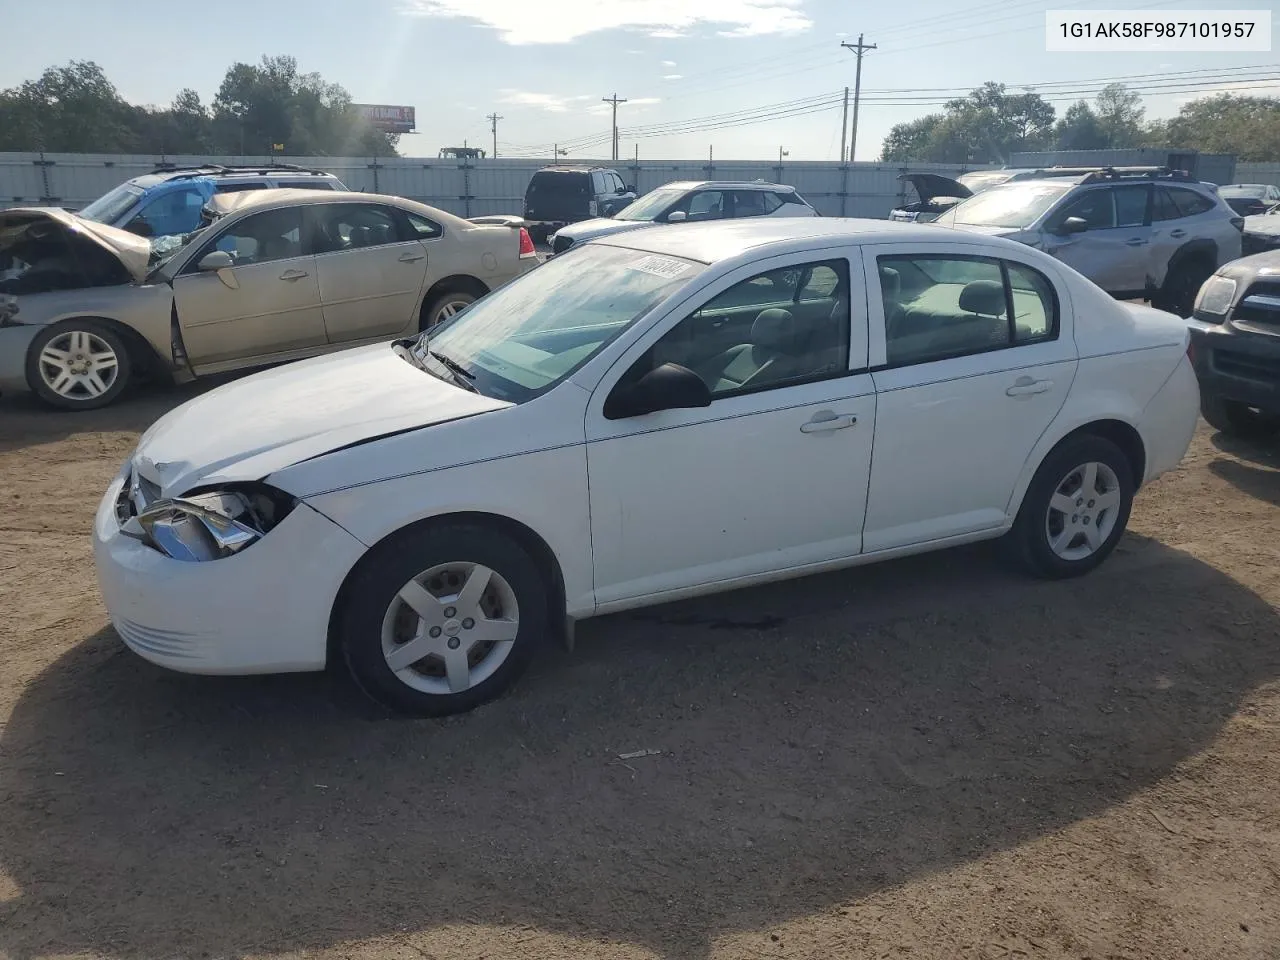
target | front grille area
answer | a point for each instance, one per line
(562, 244)
(1260, 304)
(1245, 366)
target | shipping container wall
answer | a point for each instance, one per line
(469, 188)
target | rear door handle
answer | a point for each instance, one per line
(1135, 242)
(411, 257)
(294, 275)
(828, 421)
(1028, 386)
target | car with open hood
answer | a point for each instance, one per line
(273, 275)
(936, 194)
(690, 202)
(656, 414)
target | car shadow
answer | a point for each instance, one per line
(813, 742)
(27, 422)
(1258, 482)
(1265, 452)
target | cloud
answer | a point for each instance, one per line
(550, 102)
(668, 63)
(604, 109)
(560, 21)
(673, 76)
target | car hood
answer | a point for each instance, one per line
(132, 251)
(930, 185)
(599, 227)
(1266, 224)
(1009, 233)
(253, 427)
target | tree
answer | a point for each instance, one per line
(1119, 112)
(1079, 129)
(71, 109)
(987, 125)
(1249, 127)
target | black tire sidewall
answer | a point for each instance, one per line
(124, 364)
(391, 565)
(1029, 531)
(433, 304)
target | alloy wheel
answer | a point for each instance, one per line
(79, 365)
(450, 628)
(1083, 511)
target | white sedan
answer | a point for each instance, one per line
(665, 413)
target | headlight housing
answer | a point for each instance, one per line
(1215, 297)
(210, 524)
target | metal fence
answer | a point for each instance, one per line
(472, 188)
(467, 188)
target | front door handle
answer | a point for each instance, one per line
(1028, 386)
(292, 275)
(1135, 242)
(1178, 234)
(411, 257)
(826, 420)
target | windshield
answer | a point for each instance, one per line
(113, 205)
(650, 205)
(1009, 205)
(983, 179)
(527, 336)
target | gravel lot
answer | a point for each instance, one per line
(929, 758)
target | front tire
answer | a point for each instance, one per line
(78, 365)
(1075, 510)
(1237, 419)
(441, 619)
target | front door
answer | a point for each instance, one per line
(371, 272)
(1115, 251)
(267, 302)
(772, 475)
(963, 391)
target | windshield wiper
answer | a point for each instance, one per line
(453, 365)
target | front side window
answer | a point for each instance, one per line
(776, 329)
(261, 238)
(351, 226)
(526, 336)
(649, 206)
(706, 205)
(1097, 208)
(937, 307)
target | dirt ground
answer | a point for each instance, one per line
(929, 758)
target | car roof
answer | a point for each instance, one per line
(726, 185)
(572, 168)
(716, 240)
(271, 198)
(157, 177)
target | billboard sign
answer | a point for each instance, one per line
(388, 119)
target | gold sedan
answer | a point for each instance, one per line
(275, 275)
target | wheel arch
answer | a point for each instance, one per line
(547, 562)
(142, 353)
(1120, 432)
(454, 283)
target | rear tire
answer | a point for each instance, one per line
(78, 365)
(443, 306)
(443, 618)
(1237, 419)
(1182, 285)
(1075, 509)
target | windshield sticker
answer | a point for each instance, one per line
(664, 267)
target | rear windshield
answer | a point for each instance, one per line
(1244, 190)
(560, 184)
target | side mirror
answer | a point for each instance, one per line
(1073, 225)
(668, 387)
(216, 260)
(677, 216)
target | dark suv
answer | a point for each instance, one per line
(1235, 346)
(561, 195)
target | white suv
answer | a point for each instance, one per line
(689, 201)
(1137, 232)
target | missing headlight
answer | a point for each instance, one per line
(214, 523)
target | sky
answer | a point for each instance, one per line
(693, 72)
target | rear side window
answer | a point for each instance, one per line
(1191, 203)
(424, 229)
(1163, 207)
(792, 198)
(939, 307)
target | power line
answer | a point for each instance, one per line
(614, 101)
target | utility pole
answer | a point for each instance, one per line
(614, 100)
(844, 126)
(859, 48)
(493, 119)
(782, 153)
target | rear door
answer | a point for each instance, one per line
(371, 270)
(268, 302)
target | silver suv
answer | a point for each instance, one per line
(1137, 232)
